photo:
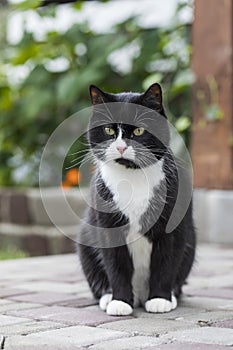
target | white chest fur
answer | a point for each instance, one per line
(132, 190)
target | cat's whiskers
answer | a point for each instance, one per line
(145, 153)
(135, 119)
(78, 152)
(109, 117)
(76, 164)
(78, 158)
(146, 122)
(82, 142)
(101, 122)
(137, 116)
(86, 159)
(112, 118)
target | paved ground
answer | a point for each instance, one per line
(45, 304)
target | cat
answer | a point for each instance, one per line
(126, 255)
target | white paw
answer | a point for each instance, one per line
(174, 302)
(160, 305)
(104, 301)
(119, 308)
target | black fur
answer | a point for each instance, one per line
(111, 269)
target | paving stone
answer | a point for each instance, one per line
(207, 251)
(85, 294)
(147, 326)
(8, 292)
(209, 317)
(67, 264)
(56, 287)
(186, 346)
(8, 320)
(68, 278)
(200, 322)
(210, 282)
(42, 312)
(206, 303)
(178, 313)
(138, 342)
(13, 306)
(224, 324)
(29, 327)
(60, 339)
(4, 302)
(202, 273)
(46, 298)
(5, 283)
(192, 317)
(93, 307)
(207, 335)
(79, 302)
(67, 315)
(223, 293)
(42, 347)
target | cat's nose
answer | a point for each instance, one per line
(121, 149)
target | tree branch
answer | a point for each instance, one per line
(59, 2)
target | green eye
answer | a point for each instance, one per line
(109, 131)
(138, 131)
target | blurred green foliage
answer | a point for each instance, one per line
(11, 252)
(34, 106)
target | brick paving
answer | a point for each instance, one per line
(45, 303)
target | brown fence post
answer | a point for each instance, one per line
(212, 63)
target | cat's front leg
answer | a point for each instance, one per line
(119, 268)
(161, 298)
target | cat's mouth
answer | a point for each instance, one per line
(127, 163)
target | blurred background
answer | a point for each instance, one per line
(51, 51)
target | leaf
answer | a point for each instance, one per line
(72, 85)
(38, 76)
(6, 98)
(78, 5)
(151, 79)
(35, 102)
(24, 54)
(48, 11)
(66, 88)
(27, 5)
(182, 82)
(183, 124)
(185, 76)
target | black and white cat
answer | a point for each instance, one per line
(125, 252)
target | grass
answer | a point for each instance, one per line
(12, 253)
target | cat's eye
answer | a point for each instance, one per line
(109, 131)
(138, 131)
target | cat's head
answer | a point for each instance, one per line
(128, 128)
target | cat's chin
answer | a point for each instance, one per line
(127, 163)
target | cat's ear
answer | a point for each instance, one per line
(97, 95)
(154, 95)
